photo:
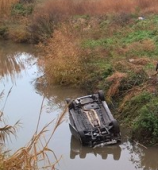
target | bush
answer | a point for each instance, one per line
(131, 108)
(135, 78)
(22, 9)
(63, 59)
(145, 127)
(18, 34)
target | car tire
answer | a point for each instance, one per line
(70, 103)
(101, 95)
(116, 128)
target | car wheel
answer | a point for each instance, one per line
(71, 105)
(82, 138)
(115, 128)
(101, 95)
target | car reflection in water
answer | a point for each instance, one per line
(77, 149)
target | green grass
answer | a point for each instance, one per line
(22, 9)
(147, 121)
(122, 37)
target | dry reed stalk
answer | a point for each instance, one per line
(1, 94)
(39, 116)
(7, 130)
(28, 157)
(59, 121)
(7, 98)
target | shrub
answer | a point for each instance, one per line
(135, 78)
(42, 26)
(145, 127)
(22, 9)
(18, 34)
(126, 77)
(63, 61)
(130, 109)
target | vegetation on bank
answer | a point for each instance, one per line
(97, 45)
(114, 52)
(121, 59)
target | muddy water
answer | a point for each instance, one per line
(22, 99)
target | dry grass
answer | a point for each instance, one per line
(140, 61)
(133, 92)
(123, 66)
(63, 58)
(115, 80)
(5, 6)
(47, 16)
(19, 34)
(145, 45)
(29, 156)
(72, 7)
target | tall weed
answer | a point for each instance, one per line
(63, 61)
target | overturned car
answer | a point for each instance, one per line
(91, 121)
